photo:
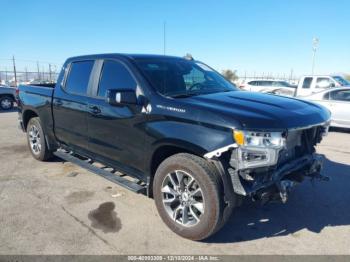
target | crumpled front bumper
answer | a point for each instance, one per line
(276, 181)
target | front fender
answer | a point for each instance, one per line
(200, 137)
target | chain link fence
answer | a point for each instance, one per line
(290, 78)
(26, 77)
(17, 71)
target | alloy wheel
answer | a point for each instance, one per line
(35, 140)
(183, 198)
(6, 103)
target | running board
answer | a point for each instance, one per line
(133, 186)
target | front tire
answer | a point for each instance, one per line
(187, 193)
(6, 102)
(36, 140)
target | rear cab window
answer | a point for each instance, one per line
(78, 77)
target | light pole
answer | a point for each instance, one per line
(315, 42)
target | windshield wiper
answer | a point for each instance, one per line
(189, 94)
(183, 95)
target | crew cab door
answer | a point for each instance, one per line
(115, 132)
(70, 105)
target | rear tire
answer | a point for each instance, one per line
(6, 102)
(177, 183)
(36, 140)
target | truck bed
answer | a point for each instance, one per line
(43, 90)
(36, 100)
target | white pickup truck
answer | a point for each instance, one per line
(311, 84)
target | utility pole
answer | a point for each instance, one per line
(164, 37)
(315, 42)
(14, 69)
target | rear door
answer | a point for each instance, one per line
(70, 105)
(115, 132)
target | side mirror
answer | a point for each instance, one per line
(121, 97)
(332, 85)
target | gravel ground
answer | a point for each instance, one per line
(58, 208)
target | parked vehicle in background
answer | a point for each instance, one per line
(337, 100)
(277, 87)
(309, 85)
(7, 97)
(182, 133)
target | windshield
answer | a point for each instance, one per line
(341, 81)
(177, 77)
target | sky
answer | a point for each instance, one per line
(262, 36)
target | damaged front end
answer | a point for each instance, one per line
(267, 165)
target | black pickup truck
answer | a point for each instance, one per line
(185, 135)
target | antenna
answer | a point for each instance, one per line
(164, 37)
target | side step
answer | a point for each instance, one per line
(133, 186)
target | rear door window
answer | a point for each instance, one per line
(307, 82)
(78, 77)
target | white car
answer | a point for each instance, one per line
(277, 87)
(337, 100)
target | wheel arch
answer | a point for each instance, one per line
(220, 165)
(165, 150)
(27, 115)
(8, 95)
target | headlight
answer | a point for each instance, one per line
(258, 149)
(259, 139)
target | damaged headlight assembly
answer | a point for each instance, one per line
(257, 149)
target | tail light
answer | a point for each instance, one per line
(17, 93)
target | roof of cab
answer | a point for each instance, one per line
(120, 55)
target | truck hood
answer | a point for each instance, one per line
(258, 111)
